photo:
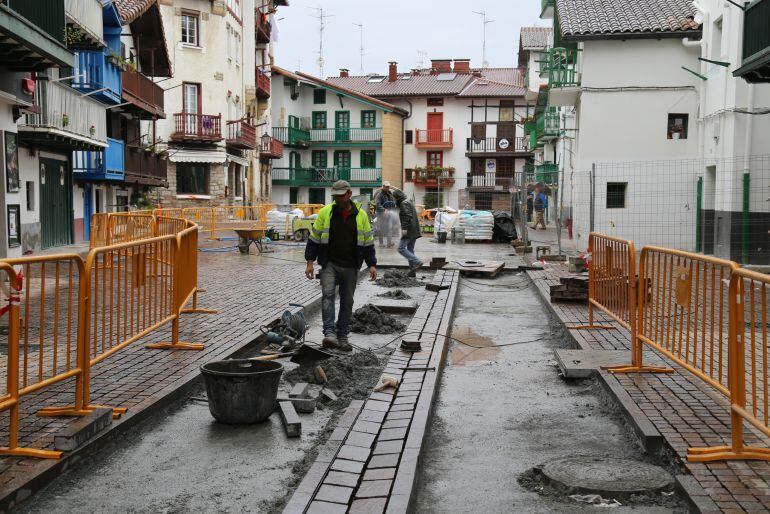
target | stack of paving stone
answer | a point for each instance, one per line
(572, 288)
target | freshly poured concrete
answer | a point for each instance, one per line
(502, 411)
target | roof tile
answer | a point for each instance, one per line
(536, 38)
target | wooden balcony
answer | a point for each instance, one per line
(97, 75)
(270, 148)
(262, 27)
(433, 177)
(144, 94)
(263, 84)
(292, 136)
(346, 136)
(86, 15)
(241, 135)
(433, 139)
(31, 34)
(100, 165)
(755, 66)
(197, 128)
(145, 167)
(495, 146)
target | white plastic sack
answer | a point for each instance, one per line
(478, 225)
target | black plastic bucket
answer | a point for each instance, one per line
(242, 390)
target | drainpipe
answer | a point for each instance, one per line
(747, 178)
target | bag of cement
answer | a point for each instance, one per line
(443, 222)
(281, 221)
(478, 225)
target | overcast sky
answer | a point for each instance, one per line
(397, 29)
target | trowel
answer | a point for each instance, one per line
(305, 355)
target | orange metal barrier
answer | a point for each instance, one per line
(308, 209)
(748, 368)
(75, 314)
(123, 227)
(683, 310)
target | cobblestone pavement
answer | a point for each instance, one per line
(248, 291)
(686, 411)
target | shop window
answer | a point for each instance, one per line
(191, 179)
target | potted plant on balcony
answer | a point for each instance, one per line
(92, 129)
(65, 119)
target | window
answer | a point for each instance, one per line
(342, 158)
(368, 119)
(191, 179)
(319, 159)
(368, 159)
(677, 126)
(319, 119)
(408, 173)
(435, 102)
(435, 159)
(408, 137)
(616, 195)
(190, 25)
(319, 96)
(191, 99)
(30, 195)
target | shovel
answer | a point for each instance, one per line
(305, 355)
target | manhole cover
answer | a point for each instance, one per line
(607, 476)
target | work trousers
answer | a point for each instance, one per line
(333, 277)
(406, 249)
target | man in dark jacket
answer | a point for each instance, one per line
(341, 239)
(410, 231)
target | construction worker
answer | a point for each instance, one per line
(341, 239)
(410, 231)
(540, 204)
(384, 207)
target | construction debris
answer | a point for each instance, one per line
(397, 278)
(386, 382)
(570, 289)
(303, 405)
(397, 294)
(299, 390)
(327, 396)
(291, 422)
(351, 377)
(369, 319)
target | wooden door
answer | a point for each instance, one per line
(55, 203)
(506, 136)
(342, 125)
(435, 127)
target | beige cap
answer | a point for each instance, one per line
(340, 188)
(385, 183)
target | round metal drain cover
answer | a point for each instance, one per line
(606, 476)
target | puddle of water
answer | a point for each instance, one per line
(461, 354)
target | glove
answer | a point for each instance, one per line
(403, 233)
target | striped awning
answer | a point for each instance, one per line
(237, 159)
(186, 155)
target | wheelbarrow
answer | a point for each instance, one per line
(248, 236)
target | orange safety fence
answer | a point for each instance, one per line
(748, 368)
(308, 209)
(123, 227)
(66, 314)
(99, 229)
(683, 310)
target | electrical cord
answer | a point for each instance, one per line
(459, 341)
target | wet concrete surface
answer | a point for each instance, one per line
(181, 460)
(501, 411)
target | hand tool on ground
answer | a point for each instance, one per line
(289, 330)
(305, 355)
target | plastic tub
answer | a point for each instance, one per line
(242, 390)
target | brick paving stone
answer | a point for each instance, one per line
(377, 405)
(354, 453)
(372, 415)
(388, 434)
(341, 478)
(349, 466)
(383, 461)
(397, 423)
(402, 407)
(374, 489)
(379, 474)
(368, 506)
(334, 494)
(367, 426)
(361, 439)
(318, 507)
(394, 446)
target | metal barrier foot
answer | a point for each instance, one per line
(31, 452)
(630, 368)
(175, 346)
(727, 453)
(70, 410)
(117, 412)
(592, 327)
(199, 311)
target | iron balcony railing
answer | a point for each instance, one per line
(433, 138)
(292, 136)
(97, 74)
(87, 15)
(496, 145)
(200, 127)
(326, 176)
(547, 172)
(547, 125)
(340, 135)
(563, 68)
(62, 108)
(108, 164)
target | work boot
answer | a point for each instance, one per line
(343, 344)
(413, 269)
(330, 340)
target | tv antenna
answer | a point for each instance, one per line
(361, 32)
(422, 55)
(321, 17)
(485, 22)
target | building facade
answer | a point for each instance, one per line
(330, 133)
(463, 138)
(217, 101)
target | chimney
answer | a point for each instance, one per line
(462, 66)
(441, 65)
(392, 71)
(344, 72)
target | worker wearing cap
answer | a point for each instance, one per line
(384, 207)
(341, 239)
